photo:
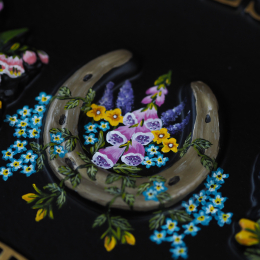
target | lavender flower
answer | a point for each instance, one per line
(125, 98)
(173, 129)
(107, 99)
(171, 114)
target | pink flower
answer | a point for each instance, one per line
(15, 67)
(160, 97)
(44, 57)
(134, 155)
(3, 64)
(155, 89)
(120, 135)
(30, 57)
(147, 114)
(1, 6)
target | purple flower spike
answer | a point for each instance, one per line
(125, 99)
(135, 154)
(107, 99)
(173, 129)
(153, 124)
(120, 135)
(129, 119)
(171, 114)
(106, 158)
(143, 138)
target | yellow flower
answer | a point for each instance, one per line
(130, 239)
(114, 117)
(41, 213)
(170, 145)
(97, 112)
(160, 135)
(29, 197)
(246, 223)
(109, 243)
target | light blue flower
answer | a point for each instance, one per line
(150, 194)
(148, 162)
(90, 139)
(20, 132)
(28, 170)
(152, 150)
(23, 123)
(58, 149)
(218, 201)
(29, 157)
(160, 161)
(43, 98)
(171, 226)
(91, 128)
(202, 218)
(11, 119)
(104, 126)
(158, 237)
(191, 229)
(159, 186)
(5, 172)
(190, 207)
(218, 176)
(36, 121)
(34, 133)
(179, 252)
(209, 208)
(24, 112)
(177, 240)
(212, 186)
(39, 109)
(200, 198)
(19, 146)
(57, 138)
(223, 218)
(8, 154)
(15, 164)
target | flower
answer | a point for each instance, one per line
(57, 138)
(158, 97)
(104, 126)
(202, 218)
(5, 172)
(218, 175)
(158, 237)
(156, 89)
(174, 129)
(171, 226)
(91, 128)
(223, 218)
(29, 157)
(161, 135)
(90, 139)
(28, 170)
(191, 229)
(36, 121)
(129, 119)
(130, 239)
(43, 98)
(8, 154)
(11, 119)
(43, 57)
(170, 145)
(25, 111)
(15, 67)
(58, 149)
(109, 243)
(150, 194)
(19, 146)
(210, 209)
(20, 132)
(159, 186)
(15, 164)
(143, 138)
(1, 6)
(97, 112)
(153, 124)
(29, 57)
(191, 206)
(212, 186)
(152, 150)
(148, 162)
(39, 109)
(114, 117)
(179, 251)
(23, 122)
(160, 160)
(120, 135)
(34, 133)
(176, 239)
(218, 201)
(29, 197)
(41, 213)
(107, 98)
(201, 197)
(3, 60)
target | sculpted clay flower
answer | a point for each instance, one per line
(109, 243)
(114, 117)
(170, 145)
(130, 239)
(97, 112)
(160, 135)
(41, 213)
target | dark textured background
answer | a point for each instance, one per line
(198, 40)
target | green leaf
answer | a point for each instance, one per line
(157, 178)
(202, 143)
(164, 79)
(206, 162)
(35, 147)
(61, 198)
(129, 182)
(156, 221)
(71, 144)
(65, 133)
(64, 92)
(113, 190)
(65, 170)
(85, 108)
(164, 196)
(8, 35)
(51, 152)
(186, 146)
(92, 150)
(52, 187)
(180, 215)
(101, 142)
(252, 253)
(111, 177)
(119, 222)
(71, 104)
(126, 169)
(143, 187)
(183, 151)
(83, 157)
(75, 180)
(92, 171)
(99, 221)
(40, 162)
(90, 96)
(128, 199)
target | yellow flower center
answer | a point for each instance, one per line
(58, 150)
(8, 154)
(211, 209)
(148, 162)
(20, 144)
(191, 207)
(89, 139)
(12, 119)
(177, 239)
(200, 199)
(25, 112)
(150, 194)
(90, 127)
(181, 251)
(39, 109)
(171, 226)
(201, 218)
(21, 132)
(37, 120)
(218, 200)
(16, 164)
(219, 176)
(160, 160)
(159, 235)
(23, 124)
(191, 228)
(28, 169)
(213, 186)
(5, 172)
(56, 138)
(28, 156)
(35, 132)
(224, 216)
(44, 98)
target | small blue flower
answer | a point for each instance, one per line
(91, 128)
(57, 138)
(152, 150)
(29, 157)
(209, 208)
(39, 109)
(58, 149)
(148, 162)
(218, 201)
(20, 132)
(158, 237)
(191, 229)
(179, 251)
(212, 186)
(171, 226)
(104, 126)
(43, 98)
(90, 139)
(8, 154)
(159, 186)
(24, 112)
(201, 197)
(176, 239)
(190, 207)
(15, 164)
(150, 194)
(28, 170)
(19, 146)
(223, 218)
(160, 161)
(218, 176)
(11, 119)
(34, 133)
(5, 172)
(36, 121)
(202, 218)
(23, 123)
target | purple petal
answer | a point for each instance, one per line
(153, 124)
(143, 138)
(129, 119)
(147, 100)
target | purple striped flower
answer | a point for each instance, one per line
(129, 119)
(134, 155)
(153, 124)
(120, 135)
(107, 99)
(171, 114)
(147, 114)
(173, 129)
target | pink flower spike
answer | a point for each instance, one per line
(120, 135)
(44, 57)
(147, 100)
(149, 113)
(29, 57)
(155, 89)
(134, 155)
(160, 98)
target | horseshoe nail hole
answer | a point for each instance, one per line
(62, 120)
(70, 163)
(174, 180)
(12, 258)
(87, 77)
(208, 119)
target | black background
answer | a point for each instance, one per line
(197, 40)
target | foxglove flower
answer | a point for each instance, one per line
(29, 57)
(173, 129)
(156, 89)
(120, 135)
(170, 115)
(129, 119)
(125, 98)
(143, 138)
(153, 124)
(147, 114)
(159, 98)
(44, 57)
(107, 99)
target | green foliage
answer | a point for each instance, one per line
(111, 177)
(129, 182)
(180, 215)
(143, 187)
(253, 253)
(88, 100)
(73, 176)
(71, 104)
(71, 144)
(119, 222)
(52, 154)
(202, 143)
(129, 199)
(156, 221)
(40, 162)
(9, 35)
(65, 133)
(126, 169)
(92, 171)
(36, 147)
(61, 194)
(99, 144)
(64, 92)
(113, 190)
(164, 79)
(99, 221)
(83, 157)
(186, 146)
(157, 178)
(163, 197)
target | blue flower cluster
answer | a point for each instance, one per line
(150, 160)
(157, 188)
(91, 129)
(204, 207)
(58, 148)
(27, 123)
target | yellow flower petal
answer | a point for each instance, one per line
(130, 239)
(246, 238)
(97, 112)
(41, 213)
(246, 223)
(170, 145)
(114, 117)
(109, 243)
(29, 197)
(160, 135)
